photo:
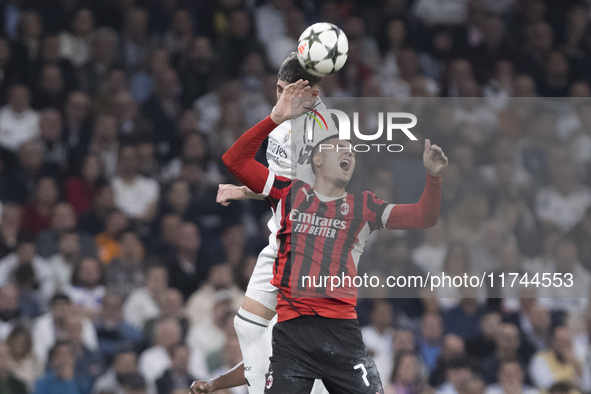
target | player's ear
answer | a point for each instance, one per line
(315, 91)
(317, 160)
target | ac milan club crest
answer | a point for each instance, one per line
(269, 382)
(344, 208)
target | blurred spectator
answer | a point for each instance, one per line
(125, 273)
(63, 220)
(171, 307)
(535, 323)
(112, 381)
(177, 199)
(134, 40)
(30, 273)
(564, 202)
(107, 242)
(506, 350)
(163, 108)
(51, 328)
(406, 376)
(566, 262)
(87, 287)
(165, 236)
(18, 121)
(486, 252)
(483, 344)
(77, 126)
(114, 334)
(197, 69)
(199, 307)
(209, 336)
(82, 189)
(134, 383)
(55, 151)
(431, 340)
(430, 255)
(93, 221)
(130, 120)
(557, 363)
(155, 360)
(378, 336)
(463, 319)
(510, 379)
(37, 214)
(61, 376)
(104, 143)
(9, 383)
(181, 31)
(143, 303)
(177, 376)
(24, 364)
(453, 348)
(10, 315)
(189, 267)
(457, 374)
(240, 41)
(10, 227)
(89, 363)
(142, 82)
(52, 90)
(75, 43)
(467, 222)
(135, 194)
(103, 53)
(9, 68)
(230, 356)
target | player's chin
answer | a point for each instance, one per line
(344, 177)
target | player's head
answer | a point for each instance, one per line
(333, 160)
(291, 71)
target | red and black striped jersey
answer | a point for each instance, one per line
(320, 238)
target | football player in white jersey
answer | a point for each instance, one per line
(254, 320)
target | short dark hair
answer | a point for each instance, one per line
(560, 387)
(57, 297)
(316, 149)
(292, 71)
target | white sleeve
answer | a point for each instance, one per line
(386, 214)
(254, 196)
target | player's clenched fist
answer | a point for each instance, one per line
(230, 192)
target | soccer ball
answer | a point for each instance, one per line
(322, 49)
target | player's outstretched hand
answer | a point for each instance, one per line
(283, 109)
(230, 192)
(201, 387)
(434, 159)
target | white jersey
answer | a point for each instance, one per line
(283, 141)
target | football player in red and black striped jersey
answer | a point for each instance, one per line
(322, 233)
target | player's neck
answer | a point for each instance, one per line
(328, 188)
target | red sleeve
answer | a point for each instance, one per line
(239, 159)
(422, 214)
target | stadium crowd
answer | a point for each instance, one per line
(119, 274)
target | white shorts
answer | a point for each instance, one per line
(259, 287)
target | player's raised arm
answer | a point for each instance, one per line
(425, 213)
(240, 158)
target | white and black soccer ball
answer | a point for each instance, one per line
(322, 49)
